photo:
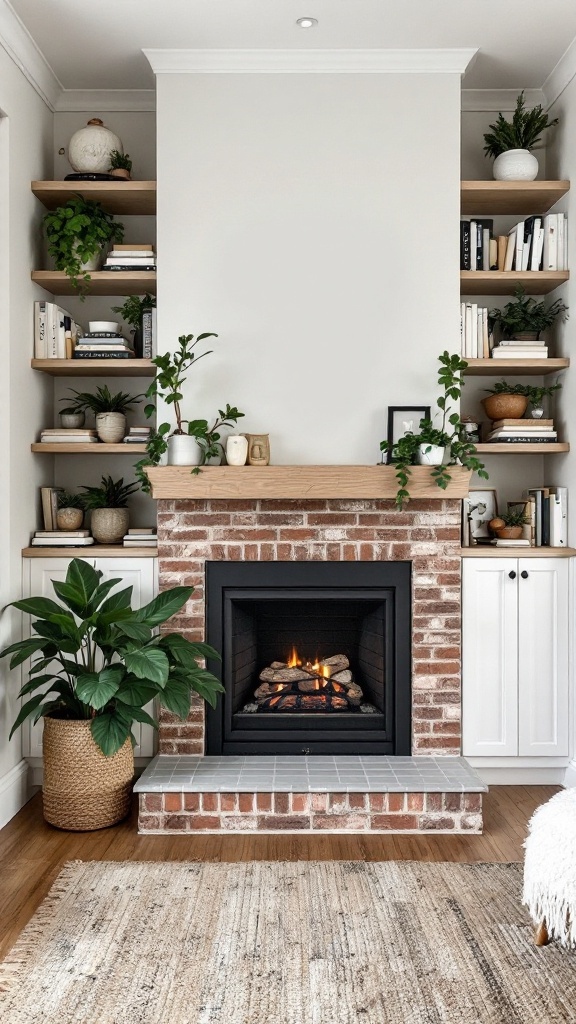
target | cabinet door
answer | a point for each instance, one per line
(489, 657)
(543, 616)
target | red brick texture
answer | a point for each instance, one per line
(427, 533)
(310, 812)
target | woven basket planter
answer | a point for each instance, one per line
(83, 790)
(109, 525)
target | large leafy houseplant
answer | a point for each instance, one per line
(168, 385)
(451, 435)
(76, 233)
(525, 314)
(98, 659)
(524, 131)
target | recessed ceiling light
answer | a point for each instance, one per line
(307, 22)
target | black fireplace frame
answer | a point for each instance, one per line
(263, 734)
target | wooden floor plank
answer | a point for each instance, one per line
(32, 853)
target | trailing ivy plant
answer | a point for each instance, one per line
(451, 435)
(76, 232)
(99, 659)
(524, 131)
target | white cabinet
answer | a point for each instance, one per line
(139, 573)
(515, 664)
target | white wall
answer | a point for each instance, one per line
(25, 153)
(301, 221)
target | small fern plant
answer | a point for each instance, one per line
(524, 131)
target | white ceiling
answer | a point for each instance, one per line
(96, 44)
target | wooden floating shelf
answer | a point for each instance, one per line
(87, 449)
(103, 282)
(95, 367)
(504, 282)
(129, 197)
(523, 367)
(529, 448)
(484, 551)
(92, 551)
(300, 482)
(510, 197)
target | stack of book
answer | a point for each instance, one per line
(511, 431)
(547, 513)
(68, 435)
(138, 435)
(55, 331)
(476, 338)
(62, 539)
(515, 348)
(131, 257)
(103, 345)
(537, 243)
(141, 537)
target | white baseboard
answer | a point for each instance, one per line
(570, 776)
(16, 789)
(521, 776)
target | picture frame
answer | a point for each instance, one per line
(481, 506)
(404, 419)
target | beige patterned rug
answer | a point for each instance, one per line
(285, 943)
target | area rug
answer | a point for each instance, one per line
(285, 943)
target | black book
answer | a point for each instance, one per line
(465, 245)
(544, 439)
(103, 354)
(103, 334)
(480, 227)
(120, 266)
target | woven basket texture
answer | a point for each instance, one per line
(83, 789)
(109, 525)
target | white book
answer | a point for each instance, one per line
(51, 330)
(61, 333)
(519, 252)
(485, 335)
(540, 250)
(462, 328)
(510, 250)
(67, 439)
(40, 340)
(566, 265)
(511, 543)
(474, 330)
(62, 533)
(521, 343)
(560, 241)
(550, 257)
(131, 253)
(479, 334)
(130, 261)
(66, 542)
(519, 353)
(536, 249)
(558, 508)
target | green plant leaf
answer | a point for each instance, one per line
(26, 711)
(135, 630)
(24, 649)
(97, 688)
(134, 713)
(40, 606)
(148, 663)
(176, 697)
(84, 578)
(164, 606)
(134, 692)
(184, 651)
(110, 732)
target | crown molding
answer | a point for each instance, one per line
(561, 75)
(22, 49)
(498, 99)
(99, 100)
(447, 61)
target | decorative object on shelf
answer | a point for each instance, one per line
(402, 420)
(103, 326)
(77, 233)
(189, 435)
(236, 449)
(258, 449)
(513, 522)
(120, 165)
(470, 429)
(109, 409)
(505, 401)
(108, 505)
(510, 142)
(132, 312)
(449, 435)
(72, 416)
(90, 149)
(536, 394)
(70, 514)
(481, 509)
(119, 664)
(524, 318)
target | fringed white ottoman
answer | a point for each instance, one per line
(550, 870)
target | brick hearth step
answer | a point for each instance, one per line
(183, 794)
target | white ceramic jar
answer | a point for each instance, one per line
(183, 450)
(515, 165)
(236, 450)
(89, 148)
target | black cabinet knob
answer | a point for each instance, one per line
(512, 575)
(524, 574)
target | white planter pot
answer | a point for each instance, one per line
(537, 412)
(111, 427)
(430, 455)
(69, 420)
(236, 450)
(515, 165)
(183, 450)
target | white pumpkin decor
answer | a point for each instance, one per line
(90, 147)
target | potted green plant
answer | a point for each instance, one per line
(99, 664)
(536, 394)
(525, 318)
(513, 521)
(505, 401)
(77, 232)
(108, 505)
(70, 511)
(109, 409)
(120, 165)
(132, 312)
(191, 442)
(451, 436)
(510, 142)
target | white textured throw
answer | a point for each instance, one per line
(550, 867)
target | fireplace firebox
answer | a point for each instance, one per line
(316, 657)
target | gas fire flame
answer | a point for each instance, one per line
(295, 661)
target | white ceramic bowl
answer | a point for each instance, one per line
(103, 325)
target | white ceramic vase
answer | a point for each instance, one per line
(430, 455)
(537, 412)
(236, 450)
(183, 450)
(111, 427)
(89, 148)
(515, 165)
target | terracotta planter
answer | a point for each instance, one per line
(69, 518)
(83, 790)
(121, 173)
(109, 525)
(500, 407)
(111, 427)
(509, 532)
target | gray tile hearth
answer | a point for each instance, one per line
(315, 774)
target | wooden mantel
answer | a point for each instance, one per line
(223, 482)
